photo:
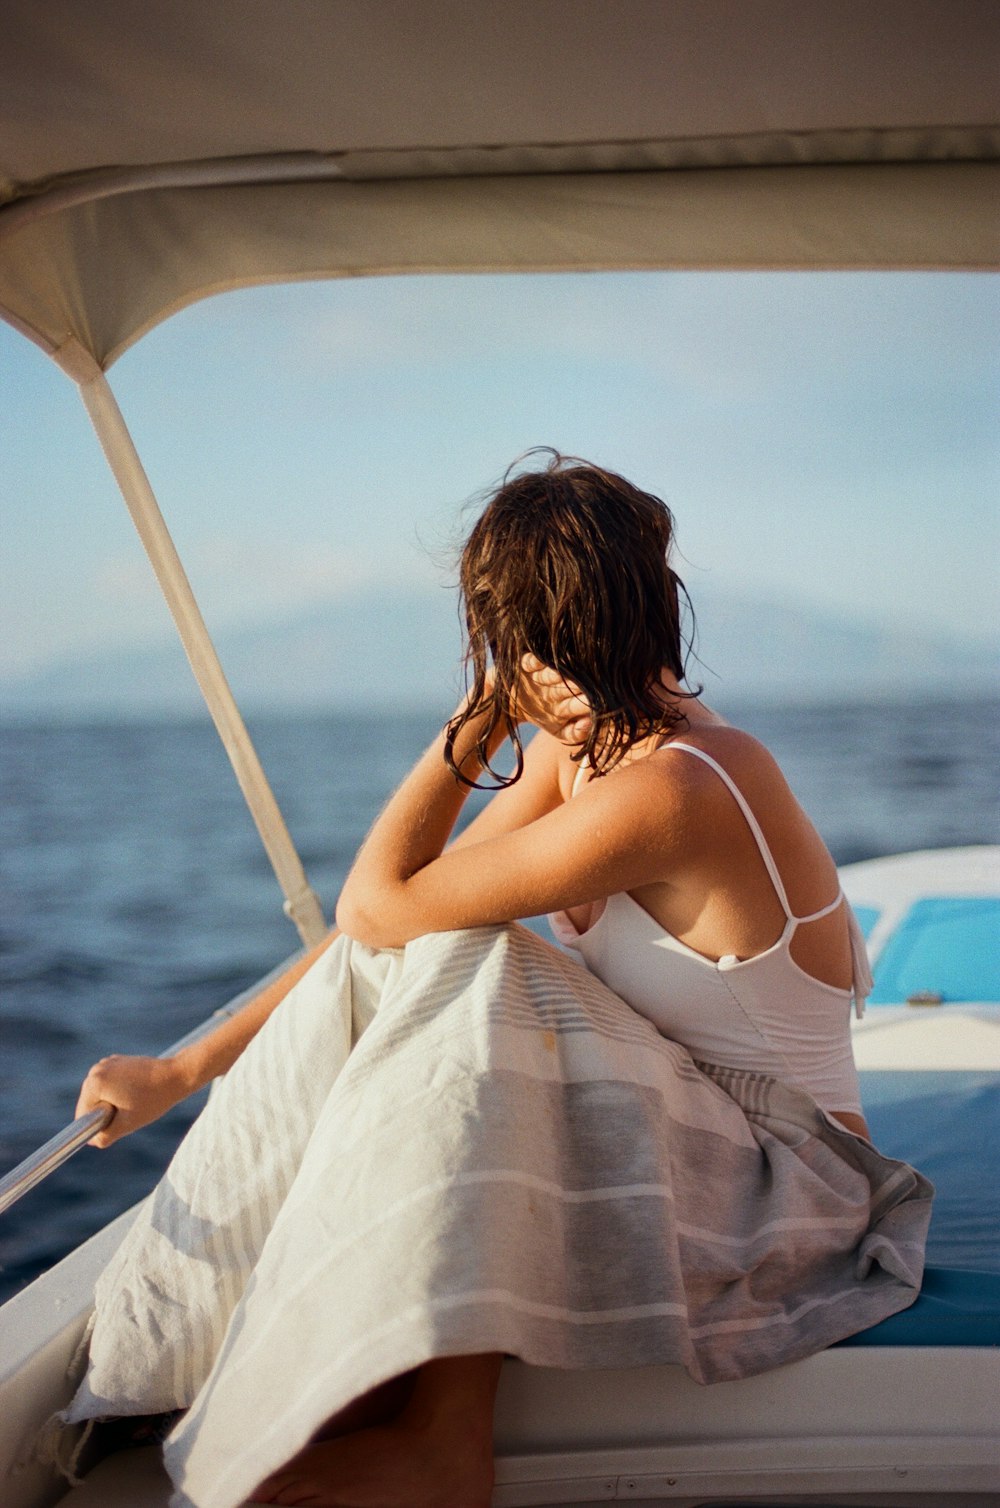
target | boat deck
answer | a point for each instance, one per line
(889, 1425)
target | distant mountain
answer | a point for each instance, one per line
(401, 647)
(367, 648)
(750, 647)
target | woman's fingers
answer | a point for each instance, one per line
(542, 674)
(95, 1094)
(138, 1089)
(551, 682)
(557, 703)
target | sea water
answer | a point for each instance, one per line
(137, 899)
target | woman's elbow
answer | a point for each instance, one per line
(352, 917)
(365, 921)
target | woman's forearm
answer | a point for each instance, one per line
(140, 1089)
(414, 826)
(204, 1060)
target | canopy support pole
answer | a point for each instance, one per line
(301, 903)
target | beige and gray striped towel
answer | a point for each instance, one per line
(510, 1159)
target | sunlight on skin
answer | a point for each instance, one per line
(555, 705)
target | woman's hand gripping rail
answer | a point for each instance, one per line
(141, 1089)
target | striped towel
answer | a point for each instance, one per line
(473, 1145)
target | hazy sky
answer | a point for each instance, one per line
(824, 437)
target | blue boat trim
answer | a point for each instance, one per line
(954, 1308)
(945, 946)
(867, 917)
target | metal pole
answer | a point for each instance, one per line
(52, 1155)
(301, 902)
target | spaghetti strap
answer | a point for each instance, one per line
(862, 984)
(755, 828)
(580, 770)
(752, 823)
(814, 916)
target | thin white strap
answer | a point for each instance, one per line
(862, 982)
(752, 823)
(814, 916)
(581, 770)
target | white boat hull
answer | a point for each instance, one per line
(854, 1426)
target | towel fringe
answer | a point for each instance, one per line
(56, 1446)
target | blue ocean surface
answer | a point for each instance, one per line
(137, 899)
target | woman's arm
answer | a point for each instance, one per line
(142, 1089)
(626, 830)
(538, 791)
(560, 715)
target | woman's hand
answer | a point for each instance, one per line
(139, 1090)
(552, 703)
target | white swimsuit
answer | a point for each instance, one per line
(763, 1013)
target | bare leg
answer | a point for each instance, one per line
(379, 1406)
(436, 1453)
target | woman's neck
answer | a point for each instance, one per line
(692, 710)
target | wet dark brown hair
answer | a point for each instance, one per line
(570, 564)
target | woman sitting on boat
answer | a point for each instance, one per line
(451, 1143)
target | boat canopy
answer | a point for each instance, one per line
(152, 154)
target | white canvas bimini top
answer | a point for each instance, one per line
(150, 155)
(153, 153)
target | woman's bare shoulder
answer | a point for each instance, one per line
(760, 781)
(742, 756)
(731, 747)
(670, 782)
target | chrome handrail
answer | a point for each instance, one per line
(61, 1147)
(52, 1155)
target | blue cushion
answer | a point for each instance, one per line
(954, 1308)
(947, 1124)
(946, 945)
(867, 917)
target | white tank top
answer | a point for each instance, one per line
(763, 1013)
